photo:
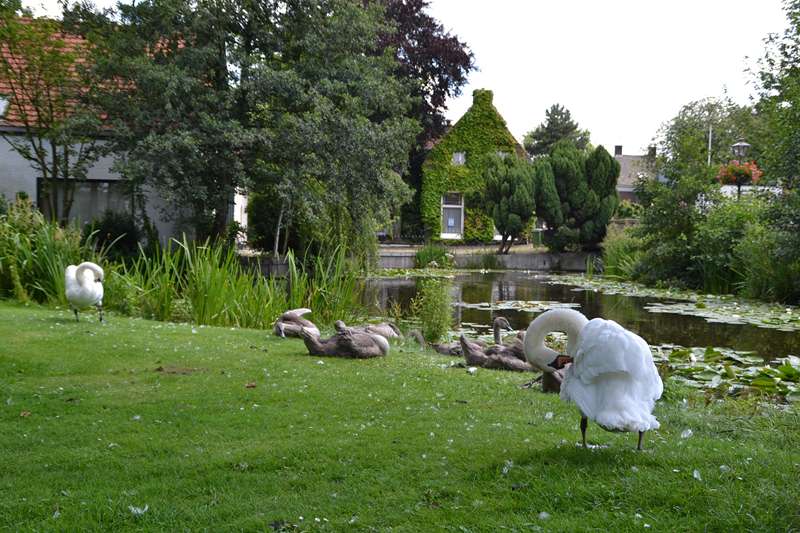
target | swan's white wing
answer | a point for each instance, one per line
(613, 378)
(605, 347)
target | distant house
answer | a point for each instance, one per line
(632, 169)
(452, 172)
(102, 189)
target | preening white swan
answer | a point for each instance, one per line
(84, 287)
(612, 378)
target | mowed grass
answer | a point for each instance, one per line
(141, 413)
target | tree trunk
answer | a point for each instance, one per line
(277, 234)
(502, 245)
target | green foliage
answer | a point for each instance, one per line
(433, 253)
(667, 228)
(683, 141)
(622, 252)
(58, 136)
(480, 134)
(117, 232)
(509, 197)
(716, 237)
(769, 252)
(779, 88)
(432, 307)
(585, 186)
(3, 205)
(558, 126)
(34, 254)
(628, 209)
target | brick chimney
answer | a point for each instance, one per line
(617, 150)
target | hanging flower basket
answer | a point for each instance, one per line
(739, 173)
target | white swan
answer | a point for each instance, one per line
(612, 378)
(84, 287)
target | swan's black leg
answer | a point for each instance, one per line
(584, 423)
(641, 438)
(100, 311)
(76, 314)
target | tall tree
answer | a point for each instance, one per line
(41, 68)
(437, 64)
(779, 80)
(558, 125)
(509, 196)
(172, 98)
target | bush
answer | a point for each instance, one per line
(117, 232)
(34, 254)
(622, 251)
(3, 205)
(628, 209)
(433, 253)
(717, 234)
(667, 229)
(432, 307)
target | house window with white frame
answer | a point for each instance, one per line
(459, 158)
(4, 101)
(452, 215)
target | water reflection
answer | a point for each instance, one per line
(656, 328)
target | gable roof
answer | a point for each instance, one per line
(21, 107)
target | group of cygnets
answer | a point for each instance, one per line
(372, 340)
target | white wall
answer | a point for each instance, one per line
(17, 175)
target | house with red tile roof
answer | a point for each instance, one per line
(101, 189)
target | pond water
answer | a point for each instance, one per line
(476, 296)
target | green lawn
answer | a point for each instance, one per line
(398, 443)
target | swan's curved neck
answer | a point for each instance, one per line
(496, 331)
(80, 272)
(569, 321)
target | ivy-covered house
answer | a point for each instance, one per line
(452, 182)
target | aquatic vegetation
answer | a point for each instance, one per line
(726, 372)
(725, 309)
(528, 306)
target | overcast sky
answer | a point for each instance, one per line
(622, 67)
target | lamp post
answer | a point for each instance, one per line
(740, 149)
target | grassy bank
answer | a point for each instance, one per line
(96, 419)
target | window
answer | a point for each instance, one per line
(3, 105)
(459, 158)
(452, 215)
(91, 198)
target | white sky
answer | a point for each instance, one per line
(622, 67)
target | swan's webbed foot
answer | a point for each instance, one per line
(584, 423)
(641, 439)
(76, 315)
(100, 311)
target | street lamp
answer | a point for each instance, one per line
(740, 149)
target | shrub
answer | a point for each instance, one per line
(117, 232)
(34, 254)
(622, 251)
(586, 188)
(433, 253)
(432, 307)
(628, 209)
(667, 229)
(717, 234)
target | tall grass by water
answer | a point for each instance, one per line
(35, 252)
(205, 283)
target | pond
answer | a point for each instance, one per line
(521, 296)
